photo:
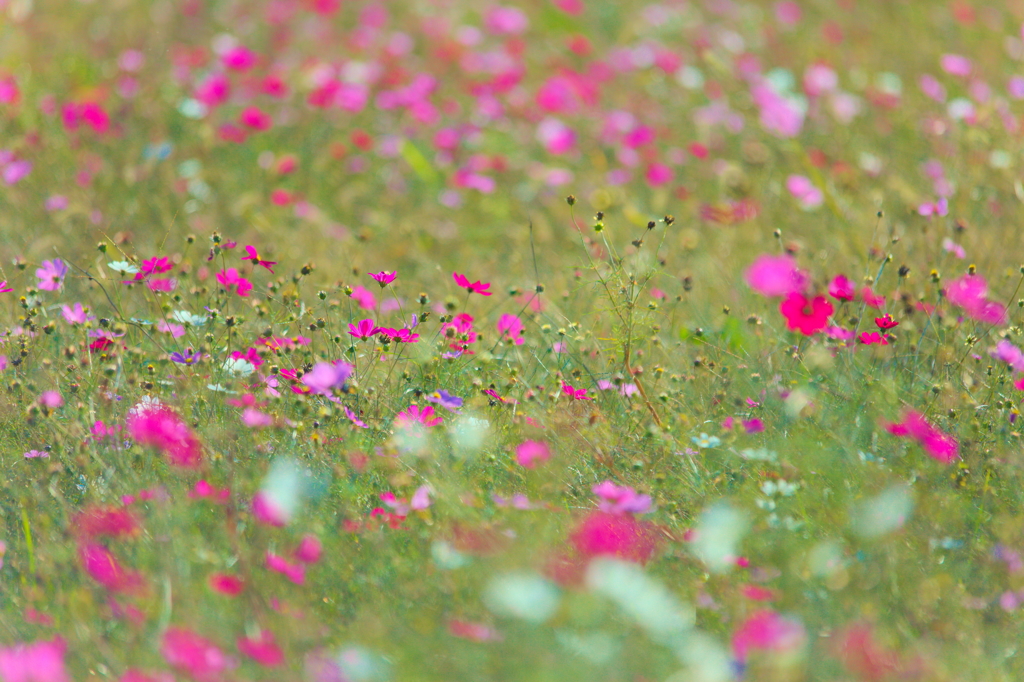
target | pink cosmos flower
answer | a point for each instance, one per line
(364, 329)
(808, 316)
(950, 246)
(775, 276)
(255, 118)
(1006, 352)
(310, 549)
(194, 655)
(384, 278)
(325, 377)
(766, 630)
(871, 338)
(841, 288)
(623, 499)
(870, 298)
(230, 585)
(105, 521)
(575, 393)
(415, 414)
(512, 327)
(970, 293)
(805, 191)
(955, 65)
(105, 569)
(75, 314)
(294, 572)
(780, 116)
(162, 428)
(620, 536)
(938, 445)
(231, 279)
(532, 452)
(254, 256)
(472, 287)
(262, 649)
(364, 297)
(239, 58)
(505, 20)
(4, 287)
(51, 275)
(41, 661)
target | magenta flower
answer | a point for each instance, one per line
(262, 649)
(841, 288)
(384, 278)
(162, 428)
(254, 256)
(775, 276)
(766, 630)
(1006, 352)
(970, 293)
(938, 445)
(575, 393)
(472, 287)
(808, 316)
(51, 275)
(417, 415)
(532, 452)
(512, 327)
(327, 376)
(194, 655)
(4, 287)
(364, 297)
(873, 338)
(402, 335)
(621, 536)
(617, 499)
(75, 314)
(231, 279)
(255, 118)
(294, 572)
(364, 329)
(41, 661)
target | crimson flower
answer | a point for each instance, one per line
(384, 278)
(807, 316)
(477, 287)
(886, 322)
(254, 256)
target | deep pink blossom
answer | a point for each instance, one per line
(231, 279)
(472, 287)
(970, 293)
(384, 278)
(575, 393)
(621, 536)
(294, 572)
(364, 329)
(252, 254)
(415, 414)
(806, 315)
(938, 445)
(162, 428)
(105, 569)
(766, 630)
(194, 655)
(263, 649)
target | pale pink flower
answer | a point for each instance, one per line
(194, 655)
(766, 630)
(531, 453)
(41, 661)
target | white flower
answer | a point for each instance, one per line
(239, 366)
(706, 441)
(146, 404)
(761, 454)
(123, 266)
(185, 317)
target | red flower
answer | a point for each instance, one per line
(472, 287)
(886, 322)
(807, 316)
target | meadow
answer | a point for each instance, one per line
(357, 341)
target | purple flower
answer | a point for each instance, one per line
(445, 400)
(186, 358)
(621, 499)
(51, 275)
(326, 376)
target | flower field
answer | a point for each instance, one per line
(359, 341)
